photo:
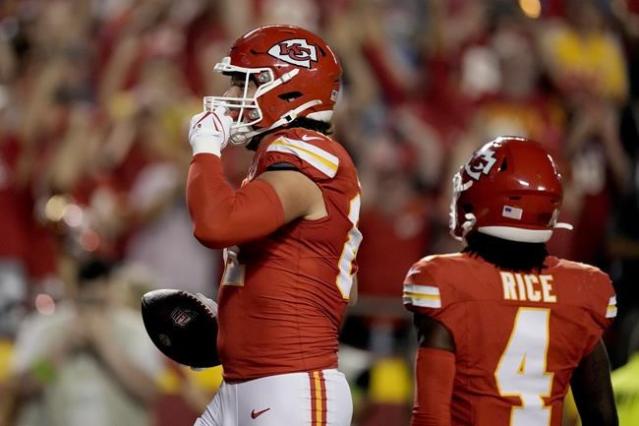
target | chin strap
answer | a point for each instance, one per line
(241, 137)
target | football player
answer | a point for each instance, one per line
(504, 328)
(289, 233)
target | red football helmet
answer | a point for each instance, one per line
(297, 76)
(511, 189)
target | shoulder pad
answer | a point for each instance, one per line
(598, 288)
(420, 289)
(311, 152)
(424, 281)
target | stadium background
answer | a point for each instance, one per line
(95, 97)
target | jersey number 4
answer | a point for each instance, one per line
(521, 371)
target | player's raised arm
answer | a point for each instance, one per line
(300, 197)
(435, 373)
(224, 217)
(592, 389)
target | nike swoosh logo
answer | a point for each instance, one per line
(256, 414)
(311, 138)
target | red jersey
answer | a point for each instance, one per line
(282, 298)
(518, 336)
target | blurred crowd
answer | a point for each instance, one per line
(95, 97)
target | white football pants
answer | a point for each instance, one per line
(314, 398)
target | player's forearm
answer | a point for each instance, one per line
(223, 217)
(592, 389)
(599, 413)
(608, 418)
(435, 372)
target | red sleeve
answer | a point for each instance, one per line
(435, 375)
(223, 217)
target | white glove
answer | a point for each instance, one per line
(210, 131)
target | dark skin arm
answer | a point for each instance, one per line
(592, 389)
(432, 334)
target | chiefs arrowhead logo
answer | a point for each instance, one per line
(295, 51)
(482, 162)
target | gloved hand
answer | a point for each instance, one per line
(210, 131)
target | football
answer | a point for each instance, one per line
(182, 325)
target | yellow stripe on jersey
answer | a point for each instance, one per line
(322, 160)
(611, 310)
(421, 296)
(421, 289)
(426, 296)
(423, 303)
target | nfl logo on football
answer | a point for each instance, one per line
(182, 317)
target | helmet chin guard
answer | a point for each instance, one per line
(242, 133)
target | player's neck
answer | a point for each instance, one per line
(506, 254)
